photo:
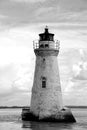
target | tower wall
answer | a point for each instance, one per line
(46, 101)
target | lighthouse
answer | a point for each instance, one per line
(46, 92)
(46, 99)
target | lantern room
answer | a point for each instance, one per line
(46, 36)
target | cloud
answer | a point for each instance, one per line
(14, 99)
(19, 13)
(30, 1)
(81, 71)
(16, 63)
(7, 75)
(2, 16)
(15, 84)
(76, 80)
(24, 80)
(44, 11)
(69, 5)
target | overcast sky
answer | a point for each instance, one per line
(20, 23)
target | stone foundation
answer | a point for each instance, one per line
(65, 115)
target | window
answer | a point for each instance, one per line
(43, 82)
(41, 46)
(43, 59)
(46, 45)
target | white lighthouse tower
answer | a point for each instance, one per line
(46, 92)
(46, 100)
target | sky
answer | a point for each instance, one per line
(20, 23)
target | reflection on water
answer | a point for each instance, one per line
(47, 126)
(10, 119)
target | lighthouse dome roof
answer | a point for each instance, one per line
(46, 36)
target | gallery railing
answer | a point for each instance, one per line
(46, 44)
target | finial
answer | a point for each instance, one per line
(46, 29)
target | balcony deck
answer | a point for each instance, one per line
(45, 45)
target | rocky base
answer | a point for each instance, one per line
(65, 115)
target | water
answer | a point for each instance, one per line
(10, 119)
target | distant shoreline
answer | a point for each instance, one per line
(76, 106)
(15, 107)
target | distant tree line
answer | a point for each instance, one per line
(3, 107)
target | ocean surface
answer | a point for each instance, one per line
(10, 119)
